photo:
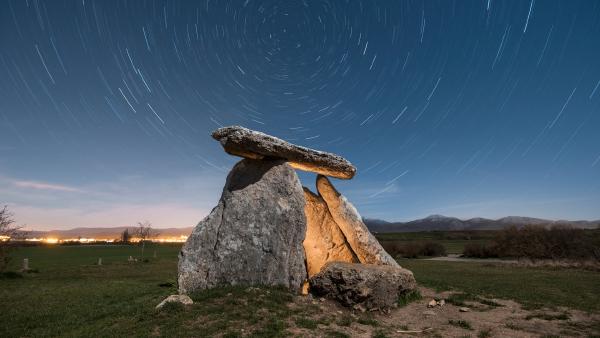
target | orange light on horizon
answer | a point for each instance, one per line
(53, 240)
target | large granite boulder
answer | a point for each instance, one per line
(362, 286)
(253, 236)
(324, 241)
(344, 214)
(252, 144)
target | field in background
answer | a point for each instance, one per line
(454, 241)
(51, 257)
(532, 287)
(72, 296)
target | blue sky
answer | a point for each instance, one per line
(464, 108)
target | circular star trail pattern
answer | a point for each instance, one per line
(468, 108)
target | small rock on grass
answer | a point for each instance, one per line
(432, 303)
(464, 309)
(183, 299)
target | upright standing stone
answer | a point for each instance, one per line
(324, 241)
(100, 261)
(363, 243)
(253, 236)
(25, 264)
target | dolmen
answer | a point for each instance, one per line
(267, 229)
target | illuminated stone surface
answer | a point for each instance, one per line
(252, 144)
(182, 299)
(361, 241)
(324, 241)
(362, 286)
(253, 236)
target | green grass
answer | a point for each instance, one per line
(409, 297)
(460, 298)
(548, 316)
(380, 334)
(336, 334)
(70, 290)
(485, 333)
(345, 321)
(307, 323)
(533, 287)
(461, 323)
(71, 296)
(51, 257)
(367, 320)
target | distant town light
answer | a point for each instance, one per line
(52, 240)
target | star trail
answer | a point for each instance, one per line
(464, 108)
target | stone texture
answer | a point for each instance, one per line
(363, 286)
(252, 144)
(363, 243)
(253, 236)
(324, 241)
(183, 299)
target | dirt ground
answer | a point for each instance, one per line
(492, 318)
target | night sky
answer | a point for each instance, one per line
(462, 108)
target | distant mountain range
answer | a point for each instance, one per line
(430, 223)
(443, 223)
(104, 233)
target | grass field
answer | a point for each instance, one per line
(72, 296)
(533, 287)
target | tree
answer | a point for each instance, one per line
(125, 237)
(8, 230)
(145, 232)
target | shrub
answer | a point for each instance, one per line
(414, 249)
(537, 242)
(479, 250)
(433, 249)
(10, 275)
(7, 231)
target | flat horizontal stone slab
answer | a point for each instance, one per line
(240, 141)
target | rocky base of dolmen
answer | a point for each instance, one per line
(269, 230)
(362, 286)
